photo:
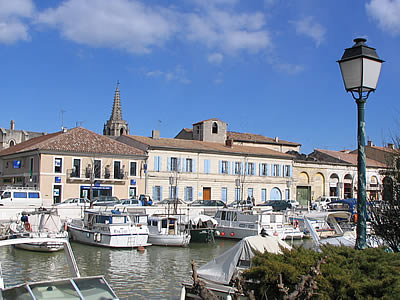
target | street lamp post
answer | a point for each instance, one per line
(360, 66)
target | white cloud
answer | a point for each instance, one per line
(178, 74)
(228, 31)
(310, 28)
(215, 58)
(122, 24)
(386, 13)
(12, 15)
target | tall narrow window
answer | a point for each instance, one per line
(237, 194)
(57, 165)
(189, 193)
(132, 168)
(97, 168)
(172, 192)
(263, 195)
(157, 163)
(189, 165)
(173, 164)
(157, 193)
(31, 168)
(224, 194)
(76, 168)
(117, 170)
(215, 127)
(224, 167)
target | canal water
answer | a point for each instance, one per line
(156, 273)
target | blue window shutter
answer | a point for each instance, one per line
(279, 170)
(220, 167)
(229, 167)
(242, 170)
(155, 165)
(254, 168)
(176, 191)
(194, 166)
(179, 165)
(290, 171)
(154, 192)
(169, 164)
(184, 165)
(159, 163)
(260, 169)
(186, 195)
(161, 194)
(268, 173)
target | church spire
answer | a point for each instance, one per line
(116, 114)
(116, 126)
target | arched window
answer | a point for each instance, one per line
(215, 127)
(12, 143)
(121, 131)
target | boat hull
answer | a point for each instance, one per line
(172, 240)
(41, 247)
(202, 235)
(91, 237)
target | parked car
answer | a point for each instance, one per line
(208, 203)
(294, 203)
(323, 201)
(129, 203)
(106, 201)
(170, 201)
(73, 202)
(242, 203)
(277, 205)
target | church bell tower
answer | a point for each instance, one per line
(115, 126)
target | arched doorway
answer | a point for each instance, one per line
(276, 194)
(334, 185)
(348, 186)
(303, 190)
(387, 192)
(319, 185)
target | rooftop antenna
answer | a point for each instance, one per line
(62, 111)
(159, 125)
(79, 123)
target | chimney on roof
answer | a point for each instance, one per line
(276, 139)
(12, 125)
(155, 134)
(390, 146)
(370, 143)
(229, 143)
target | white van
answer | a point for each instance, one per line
(20, 197)
(323, 201)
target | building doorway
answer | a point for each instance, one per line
(303, 195)
(57, 192)
(206, 193)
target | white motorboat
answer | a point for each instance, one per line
(166, 230)
(74, 287)
(110, 229)
(218, 274)
(40, 223)
(238, 224)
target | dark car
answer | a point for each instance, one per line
(106, 201)
(277, 205)
(208, 203)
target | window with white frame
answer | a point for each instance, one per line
(224, 167)
(286, 170)
(174, 164)
(189, 193)
(189, 165)
(237, 194)
(264, 169)
(157, 193)
(263, 195)
(172, 192)
(250, 169)
(58, 165)
(224, 194)
(157, 163)
(132, 168)
(238, 168)
(276, 170)
(97, 168)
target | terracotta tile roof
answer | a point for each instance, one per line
(212, 119)
(193, 145)
(74, 140)
(256, 138)
(350, 158)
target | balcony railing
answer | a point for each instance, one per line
(87, 176)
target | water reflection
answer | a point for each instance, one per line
(156, 273)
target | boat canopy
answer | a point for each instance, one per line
(204, 219)
(221, 269)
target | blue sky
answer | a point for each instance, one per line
(267, 67)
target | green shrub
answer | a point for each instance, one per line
(345, 273)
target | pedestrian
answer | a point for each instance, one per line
(253, 201)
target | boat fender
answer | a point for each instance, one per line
(217, 233)
(65, 226)
(232, 234)
(222, 233)
(28, 226)
(183, 293)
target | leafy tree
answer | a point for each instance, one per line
(334, 273)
